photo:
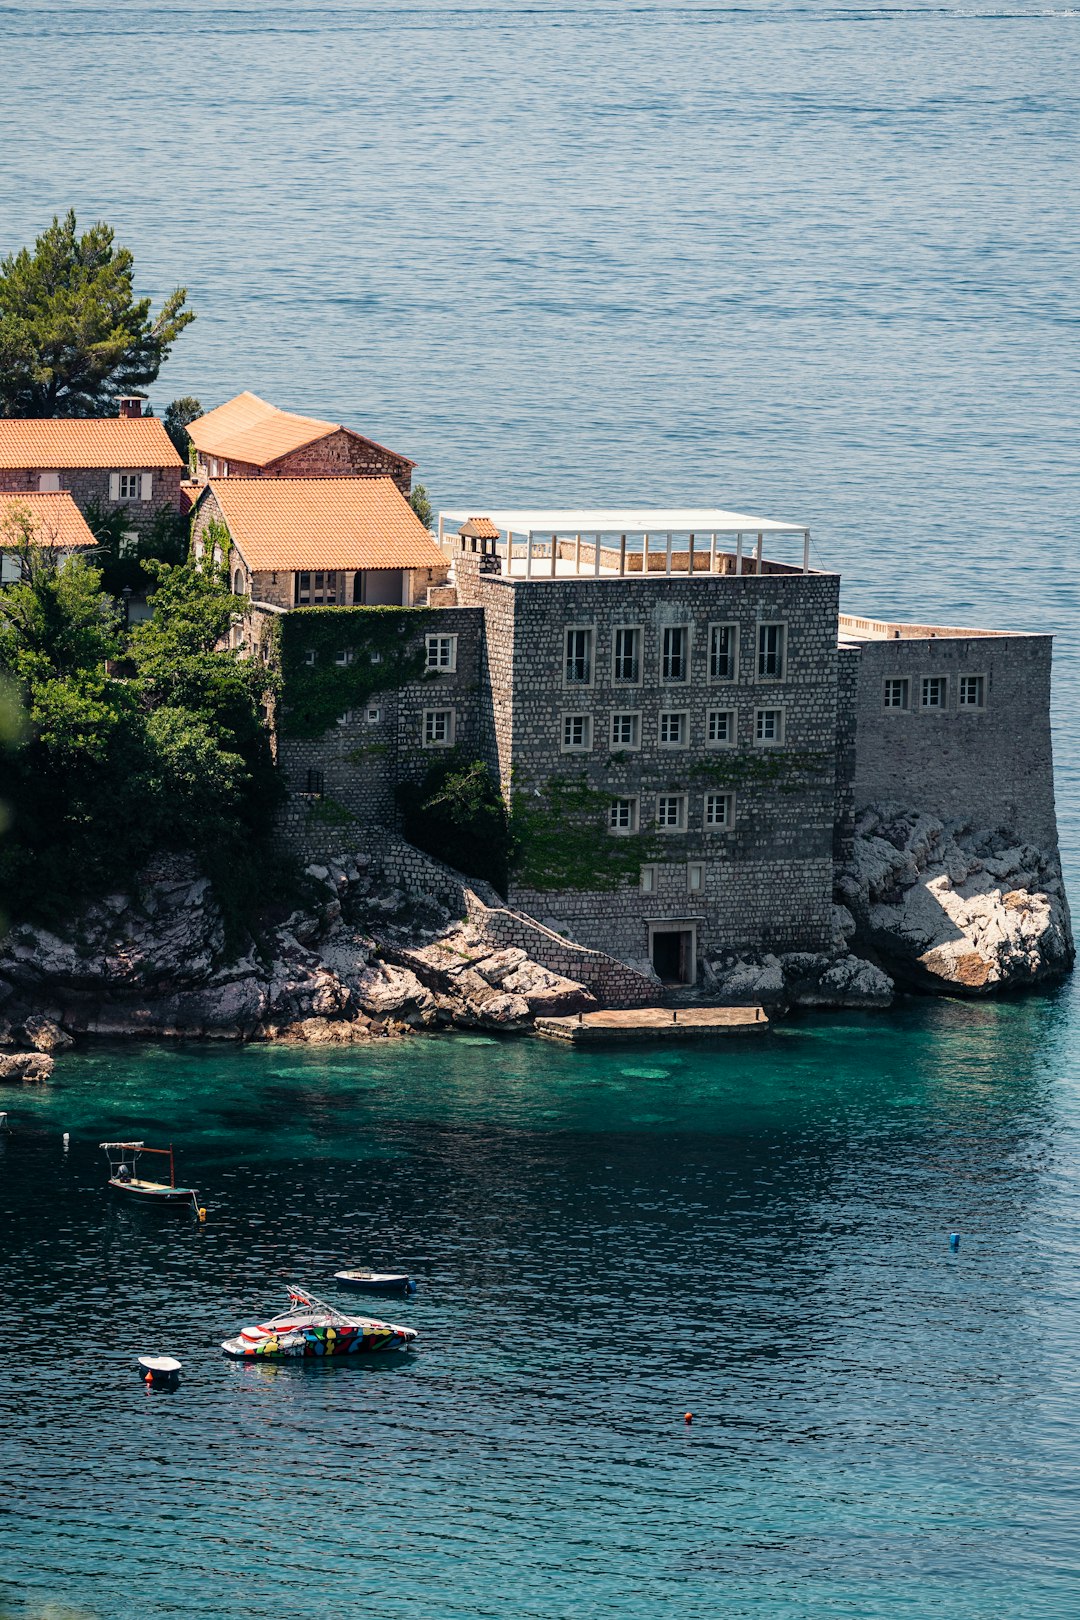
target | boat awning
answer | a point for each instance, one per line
(121, 1145)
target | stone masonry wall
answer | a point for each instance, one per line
(341, 454)
(991, 767)
(90, 486)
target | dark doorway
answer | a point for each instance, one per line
(672, 950)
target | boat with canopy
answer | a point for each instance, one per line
(124, 1178)
(311, 1328)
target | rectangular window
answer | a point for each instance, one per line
(896, 693)
(648, 880)
(315, 589)
(671, 812)
(442, 654)
(373, 717)
(719, 811)
(129, 544)
(674, 728)
(578, 667)
(626, 656)
(768, 726)
(695, 877)
(972, 693)
(720, 729)
(626, 730)
(344, 657)
(10, 568)
(309, 656)
(129, 486)
(438, 728)
(674, 653)
(770, 652)
(723, 652)
(935, 691)
(576, 733)
(623, 815)
(314, 784)
(345, 719)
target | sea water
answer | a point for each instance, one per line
(816, 261)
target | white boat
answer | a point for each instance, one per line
(376, 1282)
(312, 1328)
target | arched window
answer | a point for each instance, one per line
(238, 583)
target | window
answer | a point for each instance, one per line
(720, 728)
(309, 656)
(10, 568)
(770, 652)
(49, 483)
(373, 716)
(438, 728)
(623, 815)
(576, 733)
(674, 651)
(375, 658)
(972, 692)
(626, 730)
(344, 657)
(719, 811)
(314, 784)
(346, 719)
(648, 880)
(768, 726)
(896, 693)
(935, 691)
(128, 486)
(674, 728)
(312, 589)
(129, 546)
(695, 877)
(723, 652)
(671, 812)
(442, 654)
(579, 657)
(626, 656)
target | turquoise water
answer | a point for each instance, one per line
(813, 260)
(756, 1233)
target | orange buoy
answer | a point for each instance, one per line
(688, 1417)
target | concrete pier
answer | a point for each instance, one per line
(654, 1024)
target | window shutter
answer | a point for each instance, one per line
(147, 486)
(114, 486)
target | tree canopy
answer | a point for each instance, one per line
(73, 336)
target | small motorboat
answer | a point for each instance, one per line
(160, 1370)
(376, 1282)
(123, 1160)
(312, 1328)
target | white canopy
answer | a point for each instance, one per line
(625, 520)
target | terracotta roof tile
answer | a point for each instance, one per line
(118, 442)
(291, 523)
(249, 429)
(480, 528)
(56, 520)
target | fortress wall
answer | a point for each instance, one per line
(992, 766)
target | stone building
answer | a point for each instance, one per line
(249, 438)
(53, 520)
(684, 728)
(124, 463)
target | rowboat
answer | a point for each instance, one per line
(311, 1328)
(376, 1282)
(123, 1160)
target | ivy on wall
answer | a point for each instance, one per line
(560, 839)
(779, 770)
(457, 813)
(383, 648)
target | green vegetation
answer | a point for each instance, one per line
(111, 768)
(121, 561)
(457, 814)
(178, 416)
(421, 505)
(779, 769)
(338, 658)
(560, 839)
(73, 337)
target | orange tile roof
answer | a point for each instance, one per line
(248, 429)
(55, 519)
(118, 442)
(331, 523)
(480, 528)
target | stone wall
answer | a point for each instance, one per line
(340, 454)
(989, 767)
(90, 486)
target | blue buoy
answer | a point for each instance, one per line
(411, 1289)
(954, 1241)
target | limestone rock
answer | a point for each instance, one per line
(25, 1065)
(46, 1036)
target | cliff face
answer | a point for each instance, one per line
(954, 909)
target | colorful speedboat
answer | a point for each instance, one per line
(124, 1176)
(312, 1328)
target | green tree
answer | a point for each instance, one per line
(73, 336)
(421, 505)
(178, 417)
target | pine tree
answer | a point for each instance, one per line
(73, 337)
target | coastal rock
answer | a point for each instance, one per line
(25, 1065)
(45, 1036)
(798, 979)
(950, 908)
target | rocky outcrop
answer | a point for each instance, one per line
(954, 909)
(360, 961)
(798, 979)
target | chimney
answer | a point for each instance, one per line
(131, 404)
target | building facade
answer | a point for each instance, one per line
(249, 438)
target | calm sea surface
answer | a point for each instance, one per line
(814, 261)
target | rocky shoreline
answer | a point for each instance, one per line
(923, 906)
